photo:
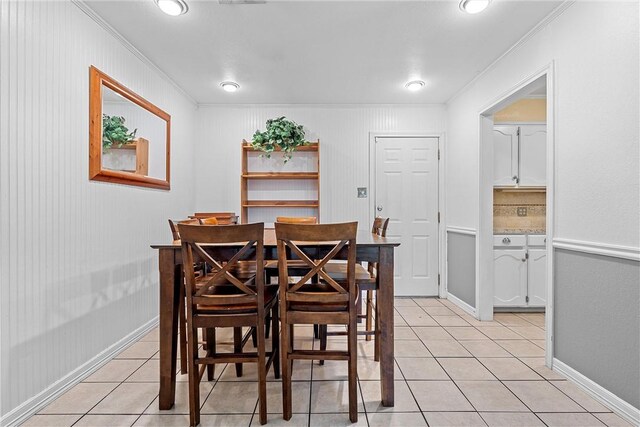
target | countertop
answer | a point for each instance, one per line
(498, 231)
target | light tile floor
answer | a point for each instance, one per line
(451, 370)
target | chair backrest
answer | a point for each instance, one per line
(292, 236)
(380, 225)
(248, 238)
(223, 218)
(297, 219)
(208, 221)
(173, 225)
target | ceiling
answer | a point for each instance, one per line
(323, 52)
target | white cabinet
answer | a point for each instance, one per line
(510, 273)
(520, 271)
(520, 155)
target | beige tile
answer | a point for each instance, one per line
(490, 396)
(570, 420)
(419, 320)
(438, 311)
(79, 399)
(529, 332)
(399, 321)
(300, 392)
(521, 348)
(439, 396)
(454, 419)
(250, 372)
(465, 369)
(509, 319)
(446, 348)
(413, 310)
(540, 396)
(106, 421)
(540, 343)
(404, 302)
(404, 333)
(421, 368)
(580, 397)
(509, 369)
(396, 419)
(115, 370)
(232, 398)
(331, 370)
(612, 420)
(139, 350)
(159, 420)
(274, 420)
(335, 420)
(404, 401)
(499, 333)
(450, 321)
(538, 365)
(411, 348)
(154, 335)
(511, 419)
(485, 348)
(147, 373)
(428, 302)
(475, 322)
(228, 420)
(332, 397)
(432, 333)
(181, 405)
(369, 369)
(127, 398)
(465, 333)
(51, 421)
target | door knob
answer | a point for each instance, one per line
(379, 208)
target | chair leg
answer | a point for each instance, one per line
(285, 348)
(352, 333)
(262, 371)
(316, 331)
(369, 314)
(237, 348)
(211, 350)
(254, 338)
(323, 340)
(183, 332)
(267, 325)
(275, 342)
(194, 377)
(376, 342)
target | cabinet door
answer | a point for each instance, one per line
(533, 155)
(505, 154)
(510, 277)
(537, 277)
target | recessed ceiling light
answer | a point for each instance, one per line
(230, 86)
(415, 85)
(474, 6)
(172, 7)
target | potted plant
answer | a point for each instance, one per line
(115, 132)
(281, 132)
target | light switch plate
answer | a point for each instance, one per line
(362, 192)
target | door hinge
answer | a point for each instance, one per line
(438, 217)
(526, 255)
(518, 132)
(526, 299)
(438, 154)
(438, 279)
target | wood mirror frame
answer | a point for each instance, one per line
(97, 79)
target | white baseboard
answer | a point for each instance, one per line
(599, 393)
(25, 410)
(463, 305)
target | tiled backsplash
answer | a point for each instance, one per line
(531, 204)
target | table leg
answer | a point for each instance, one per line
(170, 277)
(385, 309)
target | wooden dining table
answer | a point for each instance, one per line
(370, 248)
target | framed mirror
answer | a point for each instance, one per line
(129, 137)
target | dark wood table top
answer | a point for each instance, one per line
(364, 238)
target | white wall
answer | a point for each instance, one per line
(594, 47)
(76, 270)
(344, 149)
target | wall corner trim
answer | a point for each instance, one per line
(80, 4)
(605, 249)
(20, 414)
(602, 395)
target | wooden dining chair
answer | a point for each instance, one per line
(173, 225)
(329, 301)
(367, 280)
(212, 220)
(297, 219)
(224, 218)
(226, 300)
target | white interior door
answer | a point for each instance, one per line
(407, 192)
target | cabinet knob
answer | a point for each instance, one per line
(506, 240)
(379, 208)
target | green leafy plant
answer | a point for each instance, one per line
(281, 132)
(115, 132)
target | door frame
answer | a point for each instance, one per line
(442, 293)
(484, 240)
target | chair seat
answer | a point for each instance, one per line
(296, 263)
(270, 295)
(338, 271)
(318, 289)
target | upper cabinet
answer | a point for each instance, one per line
(520, 155)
